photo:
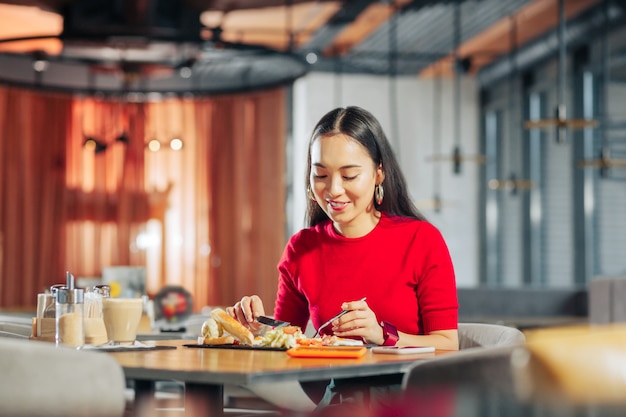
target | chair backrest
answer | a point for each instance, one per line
(470, 366)
(39, 379)
(606, 299)
(484, 358)
(473, 335)
(462, 381)
(15, 330)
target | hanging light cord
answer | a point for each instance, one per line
(561, 110)
(437, 135)
(337, 81)
(393, 69)
(604, 102)
(457, 89)
(513, 74)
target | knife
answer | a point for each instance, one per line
(269, 321)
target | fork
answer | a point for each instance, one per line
(335, 317)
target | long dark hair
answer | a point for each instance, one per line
(362, 126)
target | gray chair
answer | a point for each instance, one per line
(484, 359)
(470, 366)
(15, 330)
(39, 379)
(488, 335)
(479, 378)
(606, 299)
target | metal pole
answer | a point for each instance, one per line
(561, 110)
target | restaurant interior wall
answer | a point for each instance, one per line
(570, 225)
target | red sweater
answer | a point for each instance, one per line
(402, 266)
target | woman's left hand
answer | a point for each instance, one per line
(361, 322)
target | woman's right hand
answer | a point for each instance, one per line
(246, 311)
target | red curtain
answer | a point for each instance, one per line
(33, 135)
(212, 214)
(247, 195)
(107, 203)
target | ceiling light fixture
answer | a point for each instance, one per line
(604, 162)
(155, 145)
(40, 61)
(461, 66)
(560, 121)
(176, 144)
(512, 183)
(94, 145)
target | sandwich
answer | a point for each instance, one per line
(215, 328)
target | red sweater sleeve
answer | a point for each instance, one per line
(291, 305)
(436, 286)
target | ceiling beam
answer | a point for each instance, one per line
(579, 29)
(368, 22)
(532, 21)
(326, 35)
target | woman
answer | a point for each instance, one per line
(365, 240)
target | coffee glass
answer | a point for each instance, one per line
(121, 319)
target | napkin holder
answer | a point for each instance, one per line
(95, 332)
(43, 329)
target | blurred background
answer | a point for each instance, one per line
(171, 135)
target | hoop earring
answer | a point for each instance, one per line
(379, 194)
(309, 193)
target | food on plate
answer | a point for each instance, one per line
(232, 326)
(340, 341)
(222, 329)
(211, 328)
(220, 340)
(329, 340)
(281, 337)
(292, 336)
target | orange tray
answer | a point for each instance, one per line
(327, 351)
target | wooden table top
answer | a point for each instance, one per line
(239, 366)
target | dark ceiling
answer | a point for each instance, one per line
(402, 37)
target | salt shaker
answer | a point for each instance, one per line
(70, 315)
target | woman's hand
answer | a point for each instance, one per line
(246, 312)
(361, 322)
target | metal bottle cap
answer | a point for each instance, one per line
(102, 289)
(70, 296)
(54, 288)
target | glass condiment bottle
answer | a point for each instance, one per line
(95, 330)
(70, 317)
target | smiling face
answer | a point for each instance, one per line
(343, 177)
